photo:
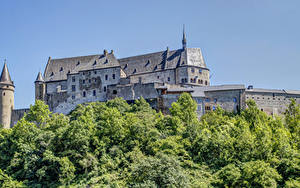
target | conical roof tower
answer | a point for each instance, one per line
(5, 77)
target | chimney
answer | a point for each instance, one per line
(105, 53)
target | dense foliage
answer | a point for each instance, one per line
(115, 144)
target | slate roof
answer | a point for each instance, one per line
(57, 69)
(5, 77)
(39, 77)
(162, 60)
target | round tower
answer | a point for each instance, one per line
(7, 90)
(40, 87)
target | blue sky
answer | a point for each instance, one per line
(247, 42)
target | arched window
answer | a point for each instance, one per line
(206, 82)
(94, 92)
(84, 94)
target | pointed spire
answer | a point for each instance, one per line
(39, 77)
(5, 77)
(184, 38)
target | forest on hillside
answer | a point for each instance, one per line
(114, 144)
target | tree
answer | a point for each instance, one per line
(185, 108)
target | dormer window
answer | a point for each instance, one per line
(155, 67)
(200, 71)
(95, 63)
(61, 69)
(134, 71)
(52, 74)
(106, 61)
(78, 63)
(148, 63)
(125, 67)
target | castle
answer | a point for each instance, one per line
(158, 77)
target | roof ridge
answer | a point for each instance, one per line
(77, 57)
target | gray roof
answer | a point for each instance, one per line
(220, 87)
(5, 77)
(162, 60)
(57, 69)
(282, 91)
(39, 77)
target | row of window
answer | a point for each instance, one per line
(198, 100)
(274, 98)
(94, 93)
(194, 80)
(193, 70)
(106, 78)
(74, 88)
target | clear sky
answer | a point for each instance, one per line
(247, 42)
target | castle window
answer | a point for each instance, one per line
(61, 69)
(84, 94)
(106, 77)
(206, 82)
(207, 108)
(95, 72)
(83, 81)
(104, 89)
(193, 70)
(73, 96)
(157, 77)
(191, 80)
(3, 93)
(169, 79)
(200, 71)
(201, 81)
(234, 100)
(73, 78)
(115, 92)
(94, 92)
(185, 80)
(69, 72)
(73, 88)
(273, 94)
(114, 76)
(89, 80)
(182, 80)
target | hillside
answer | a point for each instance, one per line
(114, 144)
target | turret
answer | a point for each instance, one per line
(40, 87)
(7, 90)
